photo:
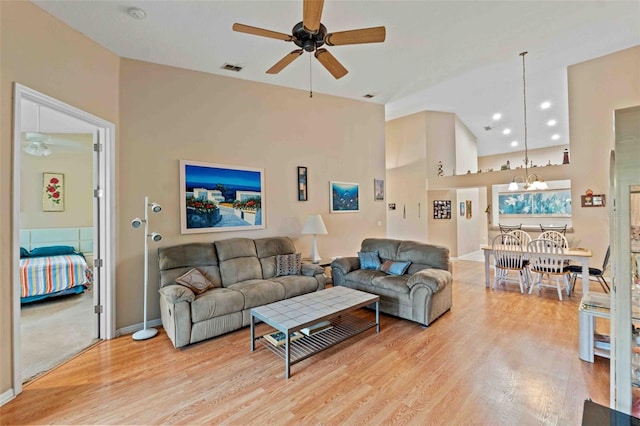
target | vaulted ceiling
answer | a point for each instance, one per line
(455, 56)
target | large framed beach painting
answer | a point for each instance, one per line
(219, 197)
(344, 197)
(556, 202)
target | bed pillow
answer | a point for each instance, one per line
(195, 280)
(369, 260)
(395, 268)
(51, 251)
(24, 252)
(288, 264)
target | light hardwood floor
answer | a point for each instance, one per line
(498, 357)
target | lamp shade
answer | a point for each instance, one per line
(314, 225)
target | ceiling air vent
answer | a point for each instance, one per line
(487, 128)
(368, 96)
(230, 67)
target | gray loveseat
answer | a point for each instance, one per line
(243, 272)
(420, 294)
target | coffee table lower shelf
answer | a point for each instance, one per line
(344, 327)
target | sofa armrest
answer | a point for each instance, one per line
(346, 264)
(435, 279)
(177, 293)
(310, 270)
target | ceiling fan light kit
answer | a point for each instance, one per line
(310, 35)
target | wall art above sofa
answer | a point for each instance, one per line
(217, 197)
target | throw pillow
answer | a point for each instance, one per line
(369, 260)
(51, 251)
(195, 280)
(395, 268)
(288, 264)
(24, 252)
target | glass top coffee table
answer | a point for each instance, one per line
(290, 316)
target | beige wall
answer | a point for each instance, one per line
(466, 148)
(469, 229)
(169, 114)
(77, 167)
(406, 153)
(42, 53)
(596, 89)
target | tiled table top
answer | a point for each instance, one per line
(301, 311)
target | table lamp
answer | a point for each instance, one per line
(314, 226)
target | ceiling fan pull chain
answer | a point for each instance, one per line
(310, 80)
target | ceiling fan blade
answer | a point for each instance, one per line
(279, 66)
(331, 63)
(311, 14)
(364, 35)
(241, 28)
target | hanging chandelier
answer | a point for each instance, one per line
(530, 182)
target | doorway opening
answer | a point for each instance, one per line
(63, 223)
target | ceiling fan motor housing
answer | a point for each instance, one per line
(306, 40)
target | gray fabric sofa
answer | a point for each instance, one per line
(421, 294)
(243, 272)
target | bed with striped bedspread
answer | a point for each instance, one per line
(44, 276)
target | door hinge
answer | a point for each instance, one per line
(98, 193)
(97, 309)
(98, 263)
(97, 147)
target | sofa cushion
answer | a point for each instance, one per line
(387, 248)
(174, 261)
(268, 248)
(177, 293)
(393, 283)
(195, 280)
(241, 269)
(259, 292)
(394, 268)
(369, 260)
(234, 248)
(288, 264)
(297, 285)
(427, 255)
(215, 303)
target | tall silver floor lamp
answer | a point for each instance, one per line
(146, 333)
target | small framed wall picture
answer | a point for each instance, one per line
(378, 190)
(462, 209)
(469, 211)
(302, 184)
(52, 192)
(442, 209)
(595, 200)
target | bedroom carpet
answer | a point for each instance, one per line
(55, 330)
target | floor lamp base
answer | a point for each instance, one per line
(145, 334)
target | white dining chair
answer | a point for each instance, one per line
(546, 257)
(509, 256)
(556, 236)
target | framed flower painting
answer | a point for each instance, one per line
(218, 197)
(53, 192)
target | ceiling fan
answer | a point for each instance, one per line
(310, 35)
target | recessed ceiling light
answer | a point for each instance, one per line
(137, 13)
(555, 137)
(551, 123)
(514, 143)
(497, 116)
(506, 131)
(545, 105)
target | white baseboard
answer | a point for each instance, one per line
(6, 397)
(130, 329)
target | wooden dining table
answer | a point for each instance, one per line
(579, 255)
